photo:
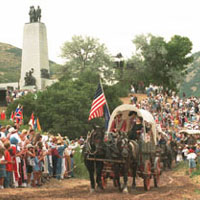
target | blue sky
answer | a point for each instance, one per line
(114, 22)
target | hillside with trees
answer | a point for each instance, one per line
(64, 107)
(150, 63)
(159, 62)
(10, 64)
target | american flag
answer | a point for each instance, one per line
(97, 104)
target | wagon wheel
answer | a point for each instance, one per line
(103, 180)
(157, 171)
(115, 183)
(147, 175)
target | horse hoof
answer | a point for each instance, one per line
(125, 190)
(99, 189)
(92, 190)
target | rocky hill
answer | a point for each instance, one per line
(10, 64)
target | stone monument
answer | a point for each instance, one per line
(35, 61)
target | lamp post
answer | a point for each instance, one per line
(120, 64)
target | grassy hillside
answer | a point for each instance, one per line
(191, 84)
(10, 61)
(10, 64)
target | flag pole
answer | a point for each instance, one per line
(106, 108)
(104, 95)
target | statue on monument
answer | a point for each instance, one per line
(35, 15)
(32, 14)
(45, 73)
(29, 79)
(38, 14)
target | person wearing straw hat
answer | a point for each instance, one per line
(30, 155)
(60, 147)
(118, 124)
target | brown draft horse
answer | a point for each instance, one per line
(94, 148)
(127, 152)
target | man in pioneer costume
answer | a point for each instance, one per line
(118, 124)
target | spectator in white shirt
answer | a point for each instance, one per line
(192, 162)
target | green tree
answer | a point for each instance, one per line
(86, 53)
(178, 57)
(55, 70)
(135, 72)
(164, 63)
(64, 107)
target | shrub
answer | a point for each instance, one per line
(181, 165)
(80, 170)
(196, 172)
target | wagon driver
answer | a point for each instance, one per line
(136, 130)
(118, 124)
(132, 119)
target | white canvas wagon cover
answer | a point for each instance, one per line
(126, 108)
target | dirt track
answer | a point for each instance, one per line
(140, 97)
(173, 185)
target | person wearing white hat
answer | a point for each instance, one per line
(59, 165)
(11, 131)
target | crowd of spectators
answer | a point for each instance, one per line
(26, 157)
(12, 95)
(174, 116)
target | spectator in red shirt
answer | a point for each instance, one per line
(3, 115)
(9, 169)
(2, 167)
(55, 156)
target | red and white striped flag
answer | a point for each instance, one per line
(97, 104)
(12, 116)
(32, 121)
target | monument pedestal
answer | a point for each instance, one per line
(34, 54)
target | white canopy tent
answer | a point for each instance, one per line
(190, 132)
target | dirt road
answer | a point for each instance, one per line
(140, 97)
(173, 185)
